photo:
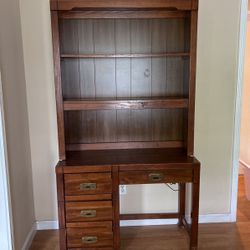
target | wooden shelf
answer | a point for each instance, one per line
(102, 14)
(124, 145)
(121, 4)
(138, 55)
(125, 104)
(128, 156)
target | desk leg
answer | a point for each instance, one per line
(195, 209)
(116, 207)
(182, 202)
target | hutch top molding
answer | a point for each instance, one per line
(129, 4)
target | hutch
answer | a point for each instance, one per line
(125, 94)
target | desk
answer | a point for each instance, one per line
(88, 193)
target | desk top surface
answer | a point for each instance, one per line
(127, 157)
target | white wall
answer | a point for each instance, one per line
(214, 126)
(16, 118)
(37, 47)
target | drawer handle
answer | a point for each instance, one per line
(87, 186)
(155, 177)
(88, 213)
(89, 239)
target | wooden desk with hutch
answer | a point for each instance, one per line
(125, 95)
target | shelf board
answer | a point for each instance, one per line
(137, 55)
(102, 14)
(125, 104)
(126, 158)
(124, 145)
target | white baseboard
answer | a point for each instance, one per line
(210, 218)
(29, 238)
(47, 225)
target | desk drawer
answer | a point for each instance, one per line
(158, 176)
(89, 211)
(89, 237)
(87, 183)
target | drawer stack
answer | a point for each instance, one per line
(87, 210)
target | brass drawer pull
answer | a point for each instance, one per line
(155, 177)
(87, 186)
(89, 239)
(88, 213)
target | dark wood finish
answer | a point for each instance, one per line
(75, 235)
(108, 225)
(126, 159)
(125, 90)
(148, 216)
(62, 239)
(181, 205)
(195, 208)
(101, 180)
(61, 208)
(53, 4)
(92, 248)
(58, 87)
(102, 14)
(128, 4)
(124, 145)
(74, 167)
(101, 211)
(116, 205)
(126, 104)
(192, 78)
(144, 55)
(163, 176)
(92, 197)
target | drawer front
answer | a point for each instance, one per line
(89, 237)
(89, 211)
(163, 176)
(87, 183)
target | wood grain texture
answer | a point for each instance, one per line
(132, 78)
(192, 79)
(116, 207)
(124, 145)
(148, 216)
(126, 104)
(166, 176)
(107, 225)
(101, 180)
(102, 14)
(125, 158)
(92, 197)
(134, 55)
(107, 4)
(195, 208)
(75, 235)
(234, 235)
(224, 236)
(103, 211)
(58, 84)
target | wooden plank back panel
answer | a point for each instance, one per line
(123, 78)
(140, 127)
